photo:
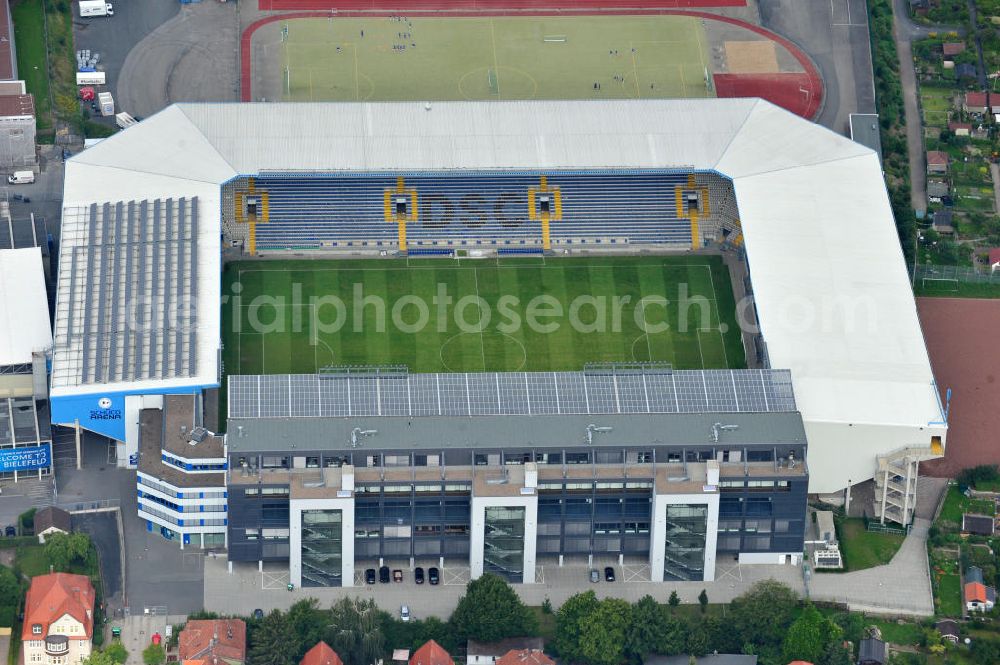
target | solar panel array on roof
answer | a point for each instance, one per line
(130, 274)
(512, 393)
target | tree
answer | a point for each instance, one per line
(568, 624)
(355, 631)
(99, 658)
(698, 639)
(63, 549)
(674, 599)
(673, 640)
(491, 611)
(9, 586)
(835, 654)
(806, 638)
(308, 624)
(272, 642)
(153, 654)
(647, 629)
(116, 652)
(603, 632)
(763, 614)
(703, 600)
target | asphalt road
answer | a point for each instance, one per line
(103, 531)
(115, 36)
(834, 33)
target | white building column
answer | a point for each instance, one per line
(658, 532)
(295, 509)
(478, 536)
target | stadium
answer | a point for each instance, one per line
(271, 271)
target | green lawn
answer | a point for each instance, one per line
(956, 503)
(862, 548)
(29, 34)
(529, 314)
(950, 595)
(346, 59)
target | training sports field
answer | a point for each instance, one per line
(470, 315)
(328, 59)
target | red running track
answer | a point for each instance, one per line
(407, 6)
(784, 89)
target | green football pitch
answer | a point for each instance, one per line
(382, 59)
(472, 315)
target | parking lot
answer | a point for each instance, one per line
(248, 588)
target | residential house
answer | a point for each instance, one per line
(978, 525)
(994, 259)
(960, 128)
(17, 107)
(321, 654)
(942, 222)
(873, 651)
(948, 629)
(978, 596)
(58, 620)
(950, 49)
(936, 189)
(525, 657)
(431, 653)
(919, 7)
(965, 71)
(213, 642)
(487, 653)
(937, 161)
(975, 102)
(51, 520)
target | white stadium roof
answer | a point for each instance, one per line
(24, 306)
(830, 285)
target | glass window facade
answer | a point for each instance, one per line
(322, 547)
(684, 551)
(503, 543)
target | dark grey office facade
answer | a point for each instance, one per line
(507, 472)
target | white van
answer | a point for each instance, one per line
(21, 177)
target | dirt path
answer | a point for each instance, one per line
(914, 123)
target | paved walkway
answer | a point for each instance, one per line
(901, 587)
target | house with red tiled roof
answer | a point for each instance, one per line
(213, 642)
(525, 657)
(321, 654)
(975, 102)
(952, 48)
(431, 653)
(979, 597)
(937, 161)
(960, 128)
(58, 620)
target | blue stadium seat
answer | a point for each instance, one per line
(470, 208)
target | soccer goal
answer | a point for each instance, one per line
(554, 39)
(940, 284)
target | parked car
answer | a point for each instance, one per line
(432, 576)
(397, 575)
(370, 576)
(595, 576)
(609, 574)
(404, 612)
(383, 574)
(258, 613)
(10, 531)
(418, 575)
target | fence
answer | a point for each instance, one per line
(877, 527)
(963, 274)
